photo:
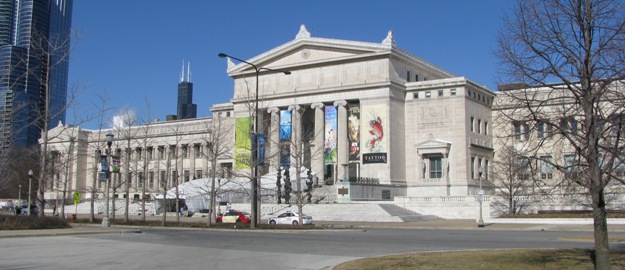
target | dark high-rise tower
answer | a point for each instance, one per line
(186, 108)
(34, 52)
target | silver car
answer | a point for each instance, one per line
(290, 218)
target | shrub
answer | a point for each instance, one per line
(10, 222)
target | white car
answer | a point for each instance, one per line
(290, 218)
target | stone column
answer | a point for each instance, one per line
(296, 136)
(317, 148)
(274, 139)
(341, 134)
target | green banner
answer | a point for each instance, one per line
(242, 143)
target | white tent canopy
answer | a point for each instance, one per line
(196, 193)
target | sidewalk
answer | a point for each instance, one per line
(448, 224)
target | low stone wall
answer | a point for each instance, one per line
(448, 207)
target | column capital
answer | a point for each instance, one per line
(273, 110)
(294, 107)
(317, 105)
(341, 103)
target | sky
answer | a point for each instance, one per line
(131, 52)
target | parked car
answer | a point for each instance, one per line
(290, 218)
(23, 210)
(234, 216)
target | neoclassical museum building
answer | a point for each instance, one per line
(365, 113)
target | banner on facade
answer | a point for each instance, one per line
(285, 153)
(115, 167)
(353, 133)
(242, 143)
(285, 125)
(374, 140)
(104, 165)
(329, 150)
(262, 139)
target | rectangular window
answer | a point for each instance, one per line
(472, 123)
(436, 167)
(440, 93)
(139, 153)
(174, 178)
(486, 165)
(452, 92)
(161, 152)
(428, 94)
(415, 95)
(416, 77)
(479, 126)
(523, 168)
(473, 167)
(540, 130)
(150, 153)
(198, 174)
(151, 179)
(185, 151)
(140, 180)
(485, 127)
(546, 167)
(197, 149)
(163, 179)
(570, 166)
(187, 175)
(408, 76)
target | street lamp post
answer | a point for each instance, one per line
(30, 183)
(19, 196)
(109, 141)
(254, 157)
(480, 197)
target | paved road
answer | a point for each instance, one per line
(244, 249)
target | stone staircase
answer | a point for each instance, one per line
(404, 214)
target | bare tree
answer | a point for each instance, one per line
(581, 45)
(218, 140)
(124, 125)
(514, 180)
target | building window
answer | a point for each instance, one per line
(198, 174)
(151, 179)
(197, 149)
(416, 77)
(140, 179)
(408, 76)
(139, 153)
(570, 166)
(472, 123)
(436, 167)
(546, 167)
(540, 130)
(452, 92)
(174, 178)
(526, 131)
(150, 153)
(440, 93)
(523, 165)
(473, 167)
(163, 179)
(185, 151)
(479, 126)
(187, 176)
(468, 92)
(428, 94)
(486, 165)
(485, 127)
(415, 95)
(161, 152)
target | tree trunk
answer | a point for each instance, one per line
(602, 249)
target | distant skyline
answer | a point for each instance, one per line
(133, 51)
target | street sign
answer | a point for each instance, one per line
(76, 197)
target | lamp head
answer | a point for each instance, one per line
(109, 139)
(222, 55)
(30, 172)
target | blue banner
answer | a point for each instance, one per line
(285, 125)
(262, 139)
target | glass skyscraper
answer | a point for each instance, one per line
(34, 54)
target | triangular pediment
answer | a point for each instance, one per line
(306, 50)
(433, 146)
